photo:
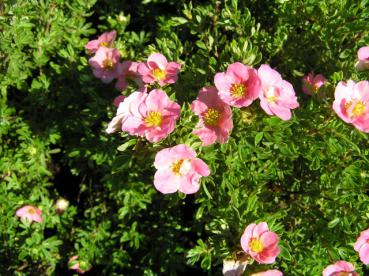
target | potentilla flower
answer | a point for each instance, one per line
(277, 96)
(311, 83)
(152, 115)
(363, 59)
(104, 40)
(105, 64)
(61, 205)
(260, 243)
(30, 213)
(340, 268)
(351, 102)
(78, 265)
(127, 70)
(239, 86)
(178, 169)
(362, 246)
(215, 116)
(233, 267)
(158, 69)
(273, 272)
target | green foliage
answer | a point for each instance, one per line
(306, 177)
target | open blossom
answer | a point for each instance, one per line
(362, 246)
(158, 69)
(104, 40)
(78, 265)
(30, 213)
(340, 268)
(105, 64)
(351, 103)
(273, 272)
(178, 169)
(239, 86)
(215, 122)
(260, 243)
(152, 115)
(277, 96)
(311, 83)
(363, 59)
(127, 70)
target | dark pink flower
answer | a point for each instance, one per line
(340, 268)
(105, 64)
(311, 83)
(158, 69)
(277, 96)
(260, 243)
(239, 86)
(215, 116)
(30, 213)
(127, 70)
(178, 169)
(104, 40)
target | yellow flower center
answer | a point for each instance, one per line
(104, 44)
(176, 167)
(31, 211)
(153, 119)
(238, 90)
(256, 245)
(159, 74)
(107, 64)
(271, 94)
(358, 109)
(212, 117)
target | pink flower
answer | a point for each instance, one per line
(273, 272)
(79, 266)
(215, 122)
(311, 83)
(340, 268)
(239, 86)
(158, 69)
(104, 40)
(277, 96)
(260, 243)
(363, 57)
(152, 115)
(30, 213)
(127, 70)
(118, 100)
(178, 169)
(362, 246)
(351, 102)
(105, 64)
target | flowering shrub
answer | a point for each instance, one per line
(167, 137)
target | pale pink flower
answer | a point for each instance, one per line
(215, 123)
(311, 83)
(239, 86)
(273, 272)
(277, 96)
(105, 64)
(260, 243)
(158, 69)
(152, 115)
(104, 40)
(363, 59)
(362, 246)
(127, 70)
(30, 213)
(340, 268)
(178, 169)
(351, 103)
(77, 265)
(117, 100)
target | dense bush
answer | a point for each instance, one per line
(306, 177)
